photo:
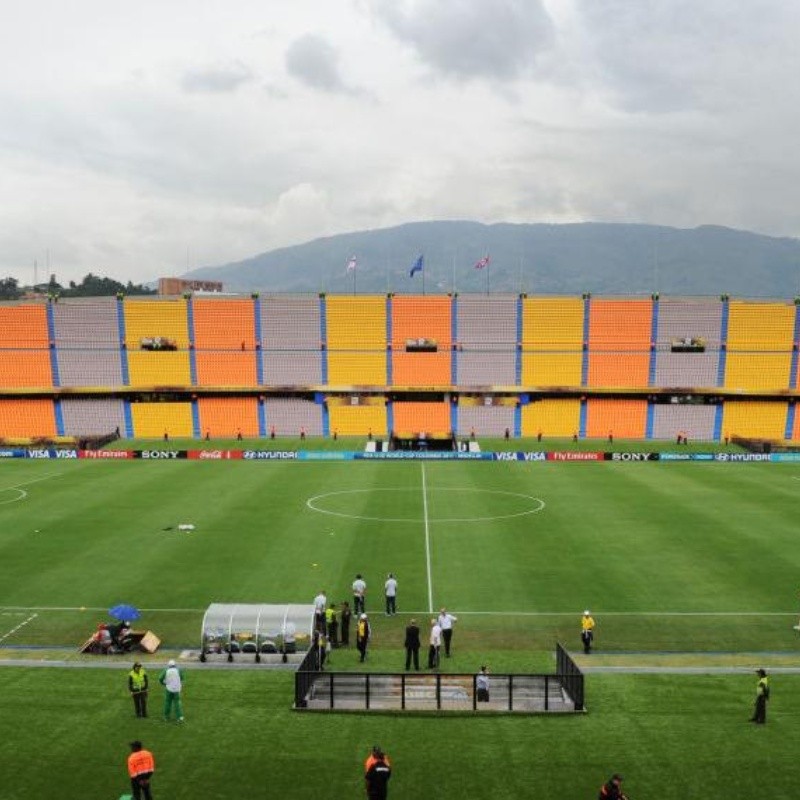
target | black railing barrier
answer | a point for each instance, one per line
(304, 679)
(436, 691)
(570, 675)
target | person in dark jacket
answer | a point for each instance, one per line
(345, 618)
(613, 789)
(412, 645)
(377, 771)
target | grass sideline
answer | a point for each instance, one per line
(695, 560)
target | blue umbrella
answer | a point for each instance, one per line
(124, 612)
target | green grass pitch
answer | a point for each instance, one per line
(684, 566)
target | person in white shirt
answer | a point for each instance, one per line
(320, 604)
(172, 680)
(446, 622)
(435, 644)
(482, 685)
(390, 590)
(359, 593)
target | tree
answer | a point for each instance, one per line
(95, 286)
(9, 289)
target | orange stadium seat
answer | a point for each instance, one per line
(223, 324)
(619, 342)
(27, 418)
(431, 418)
(626, 419)
(421, 318)
(23, 327)
(24, 347)
(227, 416)
(21, 369)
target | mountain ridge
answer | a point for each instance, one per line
(541, 258)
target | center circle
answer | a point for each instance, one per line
(21, 495)
(535, 504)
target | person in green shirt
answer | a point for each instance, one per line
(171, 679)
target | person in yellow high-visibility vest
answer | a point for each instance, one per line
(762, 696)
(137, 686)
(587, 631)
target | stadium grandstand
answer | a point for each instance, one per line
(446, 365)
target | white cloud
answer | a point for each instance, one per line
(154, 137)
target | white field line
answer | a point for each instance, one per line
(460, 611)
(35, 480)
(427, 538)
(21, 625)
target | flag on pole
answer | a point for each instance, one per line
(416, 267)
(484, 262)
(351, 264)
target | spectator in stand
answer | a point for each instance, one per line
(271, 431)
(302, 434)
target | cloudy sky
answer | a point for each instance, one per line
(142, 139)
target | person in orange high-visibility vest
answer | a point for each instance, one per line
(377, 771)
(141, 766)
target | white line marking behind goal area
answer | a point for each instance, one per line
(21, 625)
(427, 538)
